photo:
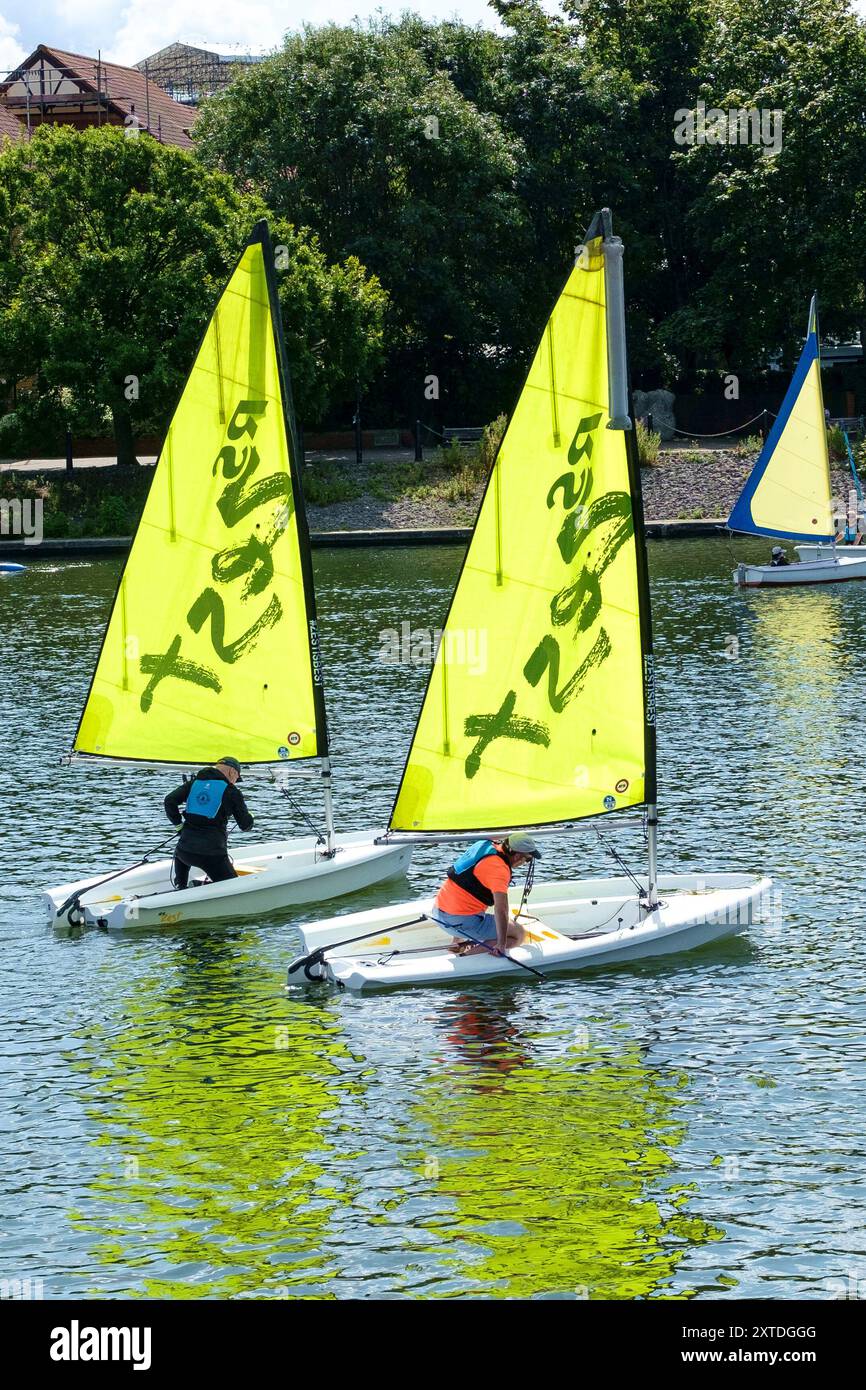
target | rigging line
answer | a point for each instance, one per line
(638, 885)
(299, 811)
(527, 887)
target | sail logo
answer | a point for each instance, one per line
(597, 529)
(315, 654)
(247, 566)
(649, 683)
(77, 1343)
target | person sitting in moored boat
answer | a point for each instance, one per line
(211, 797)
(778, 556)
(477, 881)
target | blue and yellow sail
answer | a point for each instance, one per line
(557, 720)
(211, 647)
(788, 493)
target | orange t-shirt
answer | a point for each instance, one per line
(491, 871)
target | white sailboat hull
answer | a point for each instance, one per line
(826, 570)
(573, 925)
(824, 552)
(272, 875)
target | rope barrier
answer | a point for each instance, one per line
(690, 434)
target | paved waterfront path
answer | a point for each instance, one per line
(431, 535)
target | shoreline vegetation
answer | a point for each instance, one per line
(391, 491)
(425, 193)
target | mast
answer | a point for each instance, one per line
(261, 234)
(557, 724)
(620, 420)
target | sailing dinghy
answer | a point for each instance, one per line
(788, 493)
(560, 724)
(212, 644)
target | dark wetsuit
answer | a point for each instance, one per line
(203, 842)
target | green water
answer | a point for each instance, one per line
(176, 1124)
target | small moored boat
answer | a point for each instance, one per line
(834, 567)
(788, 492)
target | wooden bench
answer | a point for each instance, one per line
(851, 424)
(462, 434)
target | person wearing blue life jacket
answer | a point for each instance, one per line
(211, 797)
(477, 881)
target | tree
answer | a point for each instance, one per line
(113, 251)
(770, 227)
(350, 133)
(560, 114)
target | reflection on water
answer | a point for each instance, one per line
(562, 1171)
(211, 1099)
(797, 644)
(685, 1128)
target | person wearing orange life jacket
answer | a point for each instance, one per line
(477, 881)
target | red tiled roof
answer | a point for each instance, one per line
(10, 126)
(126, 90)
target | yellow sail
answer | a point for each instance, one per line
(211, 647)
(539, 707)
(788, 492)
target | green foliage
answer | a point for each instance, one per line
(389, 482)
(763, 230)
(452, 457)
(325, 486)
(430, 181)
(836, 443)
(363, 135)
(462, 486)
(490, 442)
(113, 252)
(86, 502)
(749, 447)
(56, 525)
(540, 124)
(114, 517)
(648, 442)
